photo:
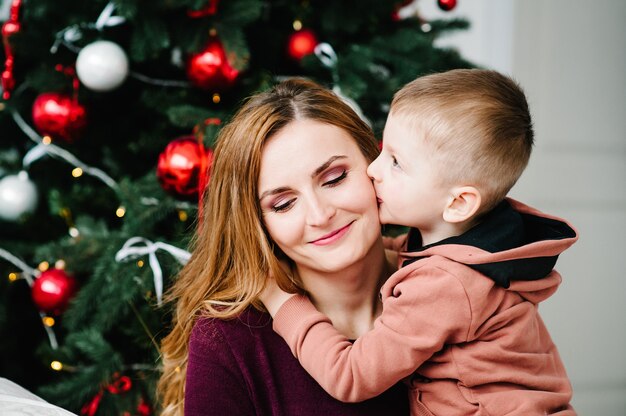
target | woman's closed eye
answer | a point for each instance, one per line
(335, 178)
(283, 205)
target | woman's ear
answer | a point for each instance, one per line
(464, 202)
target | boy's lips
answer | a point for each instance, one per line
(332, 236)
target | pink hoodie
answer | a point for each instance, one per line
(459, 322)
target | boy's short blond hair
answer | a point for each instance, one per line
(479, 124)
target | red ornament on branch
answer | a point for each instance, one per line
(182, 165)
(52, 291)
(209, 10)
(210, 69)
(59, 116)
(446, 5)
(10, 28)
(301, 43)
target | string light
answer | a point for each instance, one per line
(216, 98)
(56, 365)
(12, 277)
(2, 106)
(73, 232)
(46, 140)
(43, 266)
(59, 264)
(120, 212)
(139, 263)
(297, 25)
(77, 172)
(182, 215)
(48, 321)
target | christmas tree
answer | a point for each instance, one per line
(108, 115)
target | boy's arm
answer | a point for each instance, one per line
(420, 315)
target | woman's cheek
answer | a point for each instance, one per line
(283, 228)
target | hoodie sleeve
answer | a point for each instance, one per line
(422, 312)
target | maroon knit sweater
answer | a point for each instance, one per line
(242, 367)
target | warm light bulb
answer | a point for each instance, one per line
(120, 212)
(59, 264)
(46, 140)
(139, 263)
(297, 25)
(48, 321)
(56, 365)
(43, 266)
(73, 232)
(182, 215)
(77, 172)
(216, 98)
(12, 277)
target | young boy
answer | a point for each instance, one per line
(460, 317)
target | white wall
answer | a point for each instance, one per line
(570, 57)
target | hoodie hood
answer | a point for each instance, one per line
(514, 245)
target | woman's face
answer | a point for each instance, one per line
(318, 203)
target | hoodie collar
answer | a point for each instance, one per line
(502, 229)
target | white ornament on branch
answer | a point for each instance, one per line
(102, 66)
(18, 197)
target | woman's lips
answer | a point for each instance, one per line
(333, 236)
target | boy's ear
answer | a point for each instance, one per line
(462, 205)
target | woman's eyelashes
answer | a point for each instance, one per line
(335, 178)
(332, 179)
(283, 205)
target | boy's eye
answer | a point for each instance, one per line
(335, 180)
(283, 206)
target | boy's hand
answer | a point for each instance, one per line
(274, 297)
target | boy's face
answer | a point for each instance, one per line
(405, 178)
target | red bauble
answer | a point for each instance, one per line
(180, 166)
(446, 5)
(52, 291)
(301, 43)
(210, 69)
(59, 116)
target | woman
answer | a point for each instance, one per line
(288, 183)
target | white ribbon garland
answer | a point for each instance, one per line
(326, 54)
(51, 150)
(130, 251)
(29, 274)
(73, 33)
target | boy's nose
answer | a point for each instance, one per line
(372, 170)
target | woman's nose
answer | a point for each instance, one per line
(319, 211)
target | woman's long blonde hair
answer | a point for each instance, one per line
(232, 253)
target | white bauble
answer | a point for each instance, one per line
(18, 196)
(102, 66)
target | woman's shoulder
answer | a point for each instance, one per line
(209, 329)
